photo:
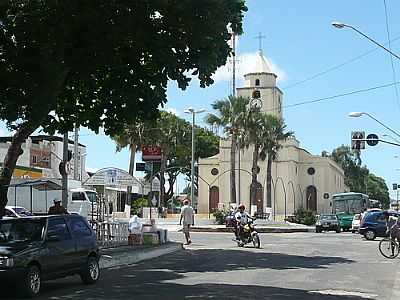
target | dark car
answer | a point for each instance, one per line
(34, 249)
(327, 223)
(374, 224)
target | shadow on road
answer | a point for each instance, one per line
(147, 280)
(216, 260)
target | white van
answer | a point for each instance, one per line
(82, 201)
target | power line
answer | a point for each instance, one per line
(337, 96)
(391, 57)
(336, 66)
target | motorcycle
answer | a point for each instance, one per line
(248, 234)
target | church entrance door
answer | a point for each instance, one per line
(311, 197)
(213, 199)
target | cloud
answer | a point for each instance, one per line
(172, 111)
(245, 64)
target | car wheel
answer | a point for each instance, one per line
(338, 230)
(91, 273)
(370, 235)
(32, 282)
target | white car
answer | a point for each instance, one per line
(355, 225)
(17, 212)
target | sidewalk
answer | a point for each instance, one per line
(126, 255)
(270, 228)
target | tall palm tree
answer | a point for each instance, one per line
(276, 135)
(263, 132)
(131, 136)
(231, 113)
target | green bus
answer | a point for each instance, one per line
(346, 205)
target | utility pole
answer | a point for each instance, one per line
(64, 173)
(76, 154)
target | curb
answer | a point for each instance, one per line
(258, 229)
(115, 257)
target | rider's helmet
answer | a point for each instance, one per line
(242, 206)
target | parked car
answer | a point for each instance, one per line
(355, 225)
(17, 212)
(33, 249)
(230, 220)
(374, 224)
(327, 222)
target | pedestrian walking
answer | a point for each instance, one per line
(57, 209)
(187, 219)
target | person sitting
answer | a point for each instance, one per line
(241, 218)
(57, 209)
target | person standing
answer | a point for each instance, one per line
(187, 216)
(57, 209)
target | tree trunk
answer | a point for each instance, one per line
(10, 161)
(269, 181)
(162, 179)
(253, 186)
(233, 171)
(133, 148)
(46, 96)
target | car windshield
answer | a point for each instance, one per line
(328, 217)
(22, 211)
(357, 217)
(21, 230)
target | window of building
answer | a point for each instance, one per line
(34, 159)
(257, 82)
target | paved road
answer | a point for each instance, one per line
(289, 266)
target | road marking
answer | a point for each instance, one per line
(345, 293)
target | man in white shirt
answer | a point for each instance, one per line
(187, 216)
(241, 218)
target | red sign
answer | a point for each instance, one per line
(151, 153)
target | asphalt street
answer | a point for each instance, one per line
(288, 266)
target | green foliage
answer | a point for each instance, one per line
(137, 204)
(358, 178)
(306, 217)
(89, 64)
(220, 216)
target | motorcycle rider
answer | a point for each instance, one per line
(241, 217)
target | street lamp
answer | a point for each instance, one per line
(359, 114)
(193, 112)
(341, 25)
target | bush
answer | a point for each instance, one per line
(220, 216)
(304, 216)
(137, 204)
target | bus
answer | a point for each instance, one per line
(346, 205)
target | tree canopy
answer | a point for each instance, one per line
(358, 178)
(102, 63)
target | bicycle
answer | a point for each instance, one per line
(389, 247)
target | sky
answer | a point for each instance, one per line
(313, 60)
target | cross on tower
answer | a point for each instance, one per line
(260, 37)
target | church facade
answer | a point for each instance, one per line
(299, 179)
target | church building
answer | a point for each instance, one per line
(300, 179)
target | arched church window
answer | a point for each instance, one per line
(257, 82)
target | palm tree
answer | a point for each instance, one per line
(131, 136)
(276, 135)
(264, 132)
(231, 115)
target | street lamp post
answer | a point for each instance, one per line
(193, 112)
(341, 25)
(359, 114)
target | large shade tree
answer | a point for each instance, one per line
(102, 63)
(230, 115)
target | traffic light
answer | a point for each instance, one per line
(358, 140)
